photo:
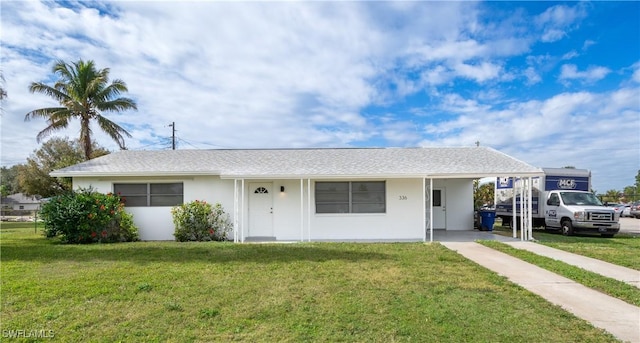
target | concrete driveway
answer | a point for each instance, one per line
(630, 226)
(603, 311)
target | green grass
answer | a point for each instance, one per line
(308, 292)
(596, 281)
(621, 250)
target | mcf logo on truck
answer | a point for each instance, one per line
(567, 184)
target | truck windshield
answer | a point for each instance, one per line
(574, 198)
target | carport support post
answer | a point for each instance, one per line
(530, 207)
(431, 210)
(522, 224)
(424, 210)
(235, 210)
(309, 209)
(242, 207)
(513, 208)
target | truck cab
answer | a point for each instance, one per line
(579, 212)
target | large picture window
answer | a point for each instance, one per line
(351, 197)
(150, 194)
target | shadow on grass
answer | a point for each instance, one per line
(41, 249)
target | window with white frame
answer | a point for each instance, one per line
(150, 194)
(350, 197)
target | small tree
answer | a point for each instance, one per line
(483, 194)
(87, 216)
(56, 153)
(199, 221)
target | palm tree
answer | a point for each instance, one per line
(83, 93)
(3, 93)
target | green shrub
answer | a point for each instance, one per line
(199, 221)
(87, 216)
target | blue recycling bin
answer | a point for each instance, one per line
(487, 219)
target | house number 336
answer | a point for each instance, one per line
(402, 197)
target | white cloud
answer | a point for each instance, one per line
(592, 74)
(532, 76)
(636, 73)
(556, 21)
(480, 72)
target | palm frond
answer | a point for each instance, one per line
(117, 105)
(55, 93)
(52, 127)
(43, 112)
(114, 130)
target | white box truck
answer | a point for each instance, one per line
(561, 201)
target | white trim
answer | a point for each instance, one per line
(367, 176)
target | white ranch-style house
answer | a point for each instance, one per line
(350, 194)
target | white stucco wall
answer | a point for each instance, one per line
(156, 223)
(459, 203)
(403, 219)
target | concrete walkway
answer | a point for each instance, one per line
(611, 314)
(627, 275)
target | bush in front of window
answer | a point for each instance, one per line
(87, 216)
(200, 221)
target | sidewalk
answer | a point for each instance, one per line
(626, 275)
(611, 314)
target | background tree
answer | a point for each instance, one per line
(483, 194)
(9, 180)
(612, 196)
(83, 93)
(631, 194)
(56, 153)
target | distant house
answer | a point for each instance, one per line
(20, 201)
(378, 194)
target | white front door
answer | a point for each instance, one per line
(439, 208)
(260, 210)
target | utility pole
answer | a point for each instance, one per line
(173, 135)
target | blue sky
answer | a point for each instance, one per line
(550, 83)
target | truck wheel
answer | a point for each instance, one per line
(567, 228)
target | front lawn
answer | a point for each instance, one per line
(168, 291)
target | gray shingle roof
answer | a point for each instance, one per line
(303, 163)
